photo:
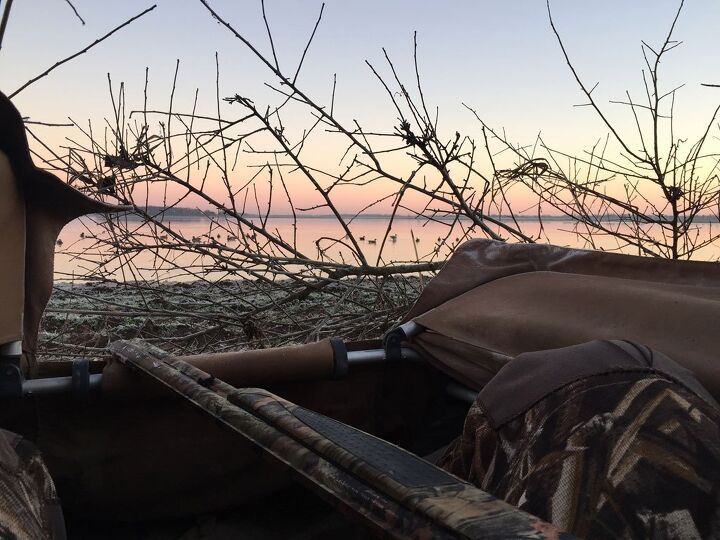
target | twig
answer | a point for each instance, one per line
(5, 18)
(83, 51)
(75, 11)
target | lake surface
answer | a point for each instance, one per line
(415, 240)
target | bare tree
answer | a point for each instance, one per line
(262, 160)
(669, 196)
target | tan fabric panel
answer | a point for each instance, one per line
(50, 204)
(468, 363)
(480, 261)
(533, 311)
(12, 255)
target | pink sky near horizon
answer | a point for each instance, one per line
(499, 58)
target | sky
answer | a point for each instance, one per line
(499, 58)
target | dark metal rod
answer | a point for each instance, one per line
(461, 392)
(56, 385)
(378, 355)
(411, 329)
(13, 348)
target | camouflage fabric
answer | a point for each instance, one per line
(623, 452)
(29, 507)
(386, 489)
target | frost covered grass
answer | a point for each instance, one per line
(192, 317)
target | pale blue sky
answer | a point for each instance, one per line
(500, 57)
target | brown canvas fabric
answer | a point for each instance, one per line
(29, 507)
(604, 440)
(493, 301)
(12, 255)
(480, 261)
(49, 205)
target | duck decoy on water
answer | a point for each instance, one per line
(393, 237)
(362, 238)
(372, 241)
(231, 237)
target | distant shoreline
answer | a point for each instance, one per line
(197, 214)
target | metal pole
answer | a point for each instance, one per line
(463, 393)
(378, 355)
(57, 385)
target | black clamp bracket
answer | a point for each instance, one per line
(11, 376)
(340, 358)
(13, 384)
(81, 378)
(395, 337)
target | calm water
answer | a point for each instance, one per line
(79, 254)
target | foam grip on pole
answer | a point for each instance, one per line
(241, 369)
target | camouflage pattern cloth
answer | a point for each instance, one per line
(603, 440)
(389, 491)
(29, 507)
